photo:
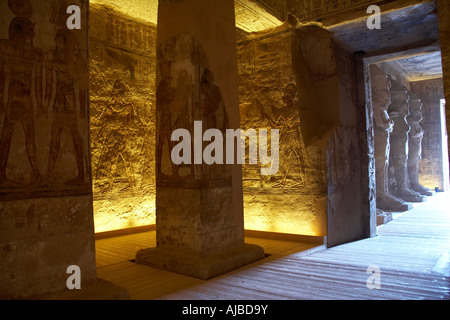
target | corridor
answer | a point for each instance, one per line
(412, 254)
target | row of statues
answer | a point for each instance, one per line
(398, 136)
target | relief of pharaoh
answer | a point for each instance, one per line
(20, 88)
(66, 109)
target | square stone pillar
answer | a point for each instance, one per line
(199, 207)
(46, 218)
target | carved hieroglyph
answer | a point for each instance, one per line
(321, 9)
(383, 126)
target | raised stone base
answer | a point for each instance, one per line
(383, 217)
(422, 190)
(98, 290)
(390, 203)
(203, 267)
(409, 195)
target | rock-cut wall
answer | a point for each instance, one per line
(294, 199)
(122, 96)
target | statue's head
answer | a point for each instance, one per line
(399, 99)
(381, 86)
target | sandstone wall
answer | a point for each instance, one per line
(122, 93)
(431, 167)
(46, 214)
(293, 200)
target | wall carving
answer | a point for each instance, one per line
(43, 102)
(181, 101)
(430, 167)
(122, 93)
(46, 217)
(269, 99)
(320, 9)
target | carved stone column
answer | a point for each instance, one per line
(415, 146)
(383, 126)
(398, 111)
(199, 207)
(46, 215)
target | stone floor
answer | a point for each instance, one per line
(411, 253)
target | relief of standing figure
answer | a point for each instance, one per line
(69, 101)
(20, 93)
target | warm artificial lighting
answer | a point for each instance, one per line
(250, 17)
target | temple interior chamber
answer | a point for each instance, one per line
(87, 119)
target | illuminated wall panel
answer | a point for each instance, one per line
(122, 97)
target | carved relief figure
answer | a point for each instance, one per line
(212, 103)
(42, 93)
(383, 126)
(129, 64)
(69, 100)
(317, 8)
(398, 111)
(118, 120)
(285, 117)
(214, 111)
(122, 101)
(415, 146)
(21, 64)
(173, 104)
(164, 96)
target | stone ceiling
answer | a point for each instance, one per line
(420, 67)
(251, 15)
(408, 41)
(415, 25)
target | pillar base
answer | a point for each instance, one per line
(390, 203)
(421, 190)
(409, 195)
(383, 217)
(202, 267)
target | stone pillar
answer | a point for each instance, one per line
(415, 146)
(383, 126)
(398, 111)
(46, 218)
(199, 207)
